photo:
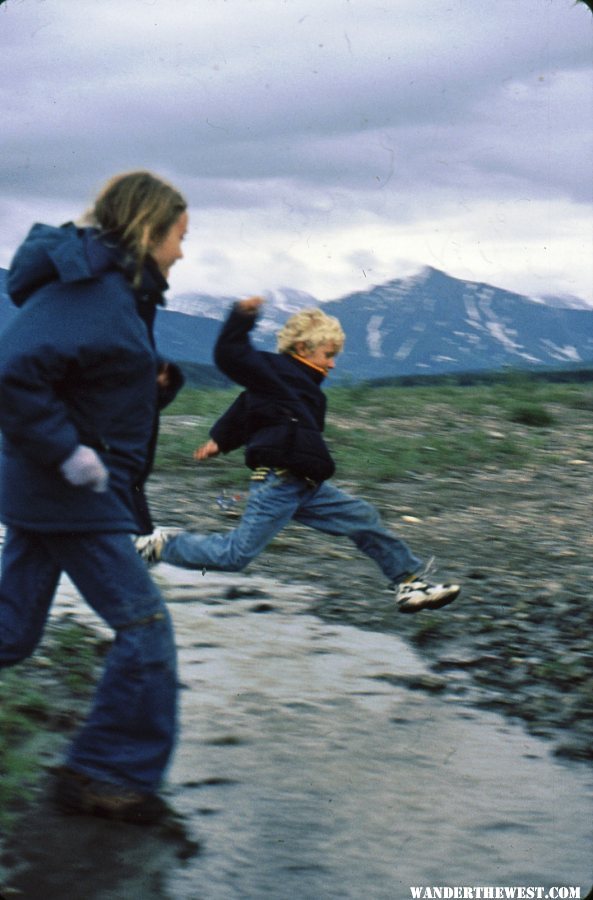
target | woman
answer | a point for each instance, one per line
(80, 389)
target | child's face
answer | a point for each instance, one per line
(323, 356)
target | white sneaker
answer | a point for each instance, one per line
(150, 546)
(412, 596)
(417, 593)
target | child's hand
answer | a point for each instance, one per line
(251, 305)
(163, 378)
(210, 448)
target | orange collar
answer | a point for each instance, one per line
(307, 363)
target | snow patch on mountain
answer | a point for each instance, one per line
(204, 305)
(566, 354)
(374, 336)
(505, 335)
(279, 305)
(562, 301)
(405, 349)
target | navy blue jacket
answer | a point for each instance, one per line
(77, 366)
(281, 416)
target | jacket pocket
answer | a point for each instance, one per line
(293, 446)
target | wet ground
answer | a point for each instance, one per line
(518, 541)
(331, 748)
(319, 760)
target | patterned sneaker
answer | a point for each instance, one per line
(150, 546)
(417, 593)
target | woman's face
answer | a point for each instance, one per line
(168, 250)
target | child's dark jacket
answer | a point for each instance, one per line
(281, 415)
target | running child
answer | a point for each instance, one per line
(279, 419)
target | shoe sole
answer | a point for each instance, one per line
(429, 604)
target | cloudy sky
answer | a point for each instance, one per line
(323, 145)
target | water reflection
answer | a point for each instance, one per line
(307, 771)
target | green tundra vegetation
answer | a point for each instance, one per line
(48, 692)
(397, 431)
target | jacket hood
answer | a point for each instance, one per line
(70, 254)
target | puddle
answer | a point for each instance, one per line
(305, 772)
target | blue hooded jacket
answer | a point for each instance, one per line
(77, 366)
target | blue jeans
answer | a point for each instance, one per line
(130, 731)
(271, 505)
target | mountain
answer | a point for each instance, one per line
(280, 304)
(564, 301)
(430, 323)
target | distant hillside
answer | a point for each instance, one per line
(433, 323)
(430, 324)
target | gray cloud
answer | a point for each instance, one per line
(312, 117)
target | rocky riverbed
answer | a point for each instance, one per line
(518, 639)
(268, 695)
(315, 760)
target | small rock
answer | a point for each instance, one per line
(433, 683)
(237, 592)
(574, 750)
(463, 662)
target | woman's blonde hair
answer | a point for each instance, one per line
(313, 327)
(137, 209)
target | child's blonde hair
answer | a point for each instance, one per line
(313, 327)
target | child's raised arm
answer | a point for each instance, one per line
(236, 357)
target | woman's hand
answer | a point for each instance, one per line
(163, 378)
(84, 468)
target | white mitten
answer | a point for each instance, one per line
(84, 468)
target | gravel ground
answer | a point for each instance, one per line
(518, 638)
